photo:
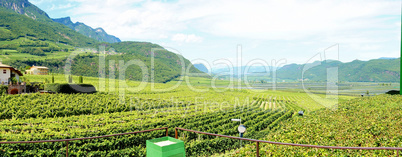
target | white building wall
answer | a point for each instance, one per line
(36, 71)
(4, 76)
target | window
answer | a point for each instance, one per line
(4, 71)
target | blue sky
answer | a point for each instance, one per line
(289, 30)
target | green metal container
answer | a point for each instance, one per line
(165, 147)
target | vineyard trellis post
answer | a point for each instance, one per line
(175, 133)
(66, 148)
(258, 148)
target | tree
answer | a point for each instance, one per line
(52, 79)
(81, 79)
(70, 79)
(13, 80)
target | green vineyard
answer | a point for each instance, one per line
(60, 116)
(361, 122)
(268, 115)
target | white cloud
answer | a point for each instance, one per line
(270, 28)
(61, 6)
(295, 19)
(187, 38)
(287, 19)
(163, 36)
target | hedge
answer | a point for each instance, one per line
(3, 89)
(70, 88)
(393, 92)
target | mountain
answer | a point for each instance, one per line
(22, 19)
(97, 34)
(201, 67)
(24, 7)
(29, 37)
(376, 70)
(15, 27)
(167, 65)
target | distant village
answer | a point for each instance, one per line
(10, 76)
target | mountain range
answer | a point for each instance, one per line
(29, 37)
(97, 34)
(384, 69)
(201, 67)
(24, 7)
(376, 70)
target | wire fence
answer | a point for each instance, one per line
(398, 149)
(289, 144)
(85, 138)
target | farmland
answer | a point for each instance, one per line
(191, 105)
(362, 122)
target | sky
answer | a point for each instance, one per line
(271, 31)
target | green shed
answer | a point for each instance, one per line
(165, 147)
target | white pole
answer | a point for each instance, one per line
(239, 135)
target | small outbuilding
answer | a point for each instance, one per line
(37, 70)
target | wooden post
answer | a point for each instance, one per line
(66, 148)
(175, 133)
(258, 149)
(397, 153)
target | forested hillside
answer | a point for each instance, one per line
(14, 26)
(376, 70)
(167, 65)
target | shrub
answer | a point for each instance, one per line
(393, 92)
(70, 79)
(41, 86)
(3, 89)
(70, 88)
(13, 80)
(81, 80)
